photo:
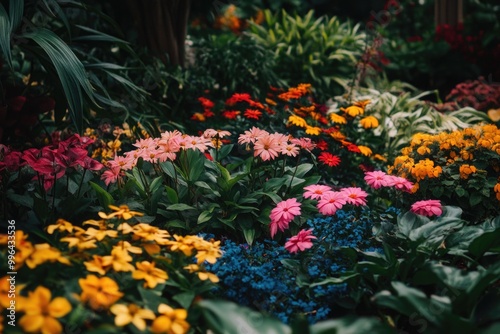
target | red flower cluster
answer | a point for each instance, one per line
(51, 162)
(468, 45)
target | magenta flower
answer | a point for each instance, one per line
(282, 225)
(431, 207)
(316, 191)
(355, 196)
(376, 179)
(331, 201)
(300, 242)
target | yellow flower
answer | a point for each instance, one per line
(43, 253)
(122, 212)
(209, 252)
(369, 122)
(425, 168)
(119, 259)
(466, 170)
(99, 292)
(115, 145)
(422, 150)
(365, 150)
(61, 225)
(128, 247)
(147, 271)
(79, 240)
(362, 103)
(40, 312)
(100, 234)
(313, 130)
(298, 121)
(379, 157)
(97, 265)
(131, 314)
(466, 155)
(271, 102)
(148, 233)
(171, 321)
(198, 116)
(353, 111)
(337, 135)
(336, 118)
(202, 275)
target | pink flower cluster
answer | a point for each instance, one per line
(283, 214)
(161, 149)
(52, 162)
(330, 201)
(378, 179)
(268, 146)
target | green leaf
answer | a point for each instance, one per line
(23, 200)
(180, 207)
(70, 70)
(485, 242)
(16, 10)
(185, 299)
(344, 278)
(172, 195)
(249, 234)
(224, 317)
(351, 324)
(5, 35)
(105, 198)
(410, 221)
(475, 198)
(205, 216)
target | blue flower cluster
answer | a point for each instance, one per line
(268, 278)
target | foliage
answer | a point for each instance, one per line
(113, 275)
(433, 275)
(42, 63)
(460, 168)
(320, 51)
(403, 113)
(225, 63)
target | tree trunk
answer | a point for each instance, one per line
(162, 27)
(448, 12)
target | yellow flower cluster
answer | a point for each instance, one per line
(114, 247)
(464, 152)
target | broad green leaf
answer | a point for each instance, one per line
(351, 325)
(409, 221)
(185, 299)
(224, 317)
(485, 242)
(180, 207)
(172, 195)
(5, 35)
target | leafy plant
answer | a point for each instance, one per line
(320, 51)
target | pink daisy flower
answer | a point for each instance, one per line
(285, 210)
(431, 207)
(304, 143)
(111, 175)
(300, 242)
(316, 191)
(266, 147)
(399, 182)
(282, 225)
(330, 202)
(211, 133)
(289, 149)
(376, 179)
(355, 196)
(250, 136)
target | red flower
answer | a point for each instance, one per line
(329, 159)
(230, 114)
(252, 114)
(353, 148)
(322, 145)
(206, 103)
(238, 98)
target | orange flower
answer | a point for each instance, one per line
(99, 292)
(252, 114)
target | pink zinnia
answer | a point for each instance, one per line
(330, 202)
(250, 136)
(300, 242)
(376, 179)
(304, 143)
(431, 207)
(316, 191)
(282, 225)
(111, 175)
(266, 147)
(355, 196)
(399, 182)
(290, 149)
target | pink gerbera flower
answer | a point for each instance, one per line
(330, 202)
(431, 207)
(290, 149)
(111, 175)
(281, 225)
(300, 242)
(250, 136)
(316, 191)
(376, 179)
(266, 147)
(355, 196)
(304, 143)
(399, 182)
(285, 210)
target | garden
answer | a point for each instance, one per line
(257, 166)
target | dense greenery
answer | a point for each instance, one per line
(301, 173)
